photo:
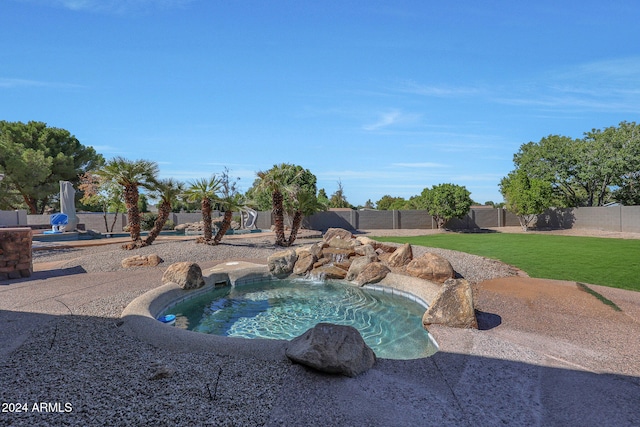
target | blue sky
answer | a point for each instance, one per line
(389, 97)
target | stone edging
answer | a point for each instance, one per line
(140, 316)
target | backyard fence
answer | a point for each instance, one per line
(614, 218)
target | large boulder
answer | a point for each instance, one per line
(372, 273)
(141, 261)
(188, 275)
(335, 349)
(316, 249)
(401, 256)
(356, 267)
(366, 251)
(364, 240)
(281, 263)
(340, 232)
(453, 306)
(340, 243)
(336, 254)
(329, 272)
(431, 267)
(304, 263)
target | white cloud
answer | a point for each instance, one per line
(391, 118)
(386, 119)
(610, 85)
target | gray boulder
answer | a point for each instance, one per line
(335, 349)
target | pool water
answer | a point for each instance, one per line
(284, 309)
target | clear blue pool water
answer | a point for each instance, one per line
(284, 309)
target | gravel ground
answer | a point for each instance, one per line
(79, 358)
(108, 257)
(72, 359)
(74, 362)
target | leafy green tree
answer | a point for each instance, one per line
(131, 175)
(628, 192)
(338, 199)
(446, 201)
(205, 191)
(554, 159)
(285, 183)
(526, 197)
(143, 203)
(306, 203)
(323, 199)
(167, 192)
(387, 203)
(103, 194)
(34, 158)
(368, 204)
(584, 172)
(612, 159)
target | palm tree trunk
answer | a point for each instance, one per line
(278, 213)
(163, 214)
(206, 219)
(131, 200)
(224, 226)
(295, 226)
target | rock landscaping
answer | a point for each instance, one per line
(363, 261)
(334, 349)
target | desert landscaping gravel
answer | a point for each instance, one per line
(85, 360)
(109, 257)
(78, 360)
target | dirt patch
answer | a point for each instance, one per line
(564, 320)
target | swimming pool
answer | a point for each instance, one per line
(284, 309)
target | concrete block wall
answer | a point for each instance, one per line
(615, 218)
(13, 218)
(630, 219)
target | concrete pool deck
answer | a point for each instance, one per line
(547, 353)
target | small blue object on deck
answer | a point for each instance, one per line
(58, 222)
(169, 319)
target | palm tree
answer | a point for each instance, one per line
(229, 200)
(204, 190)
(293, 190)
(230, 204)
(131, 175)
(306, 204)
(167, 190)
(275, 181)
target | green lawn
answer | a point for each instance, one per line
(598, 261)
